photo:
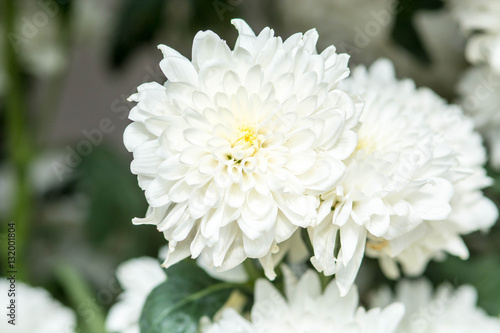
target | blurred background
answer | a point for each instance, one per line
(68, 67)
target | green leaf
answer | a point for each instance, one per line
(115, 197)
(404, 32)
(138, 23)
(177, 305)
(482, 272)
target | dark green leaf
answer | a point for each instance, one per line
(137, 24)
(115, 197)
(177, 305)
(481, 272)
(404, 32)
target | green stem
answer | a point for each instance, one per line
(54, 89)
(90, 314)
(18, 139)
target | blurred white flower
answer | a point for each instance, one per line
(235, 149)
(361, 28)
(138, 277)
(441, 311)
(38, 38)
(305, 309)
(479, 92)
(36, 311)
(480, 21)
(93, 20)
(412, 186)
(43, 179)
(444, 44)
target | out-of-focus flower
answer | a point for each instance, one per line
(444, 44)
(36, 311)
(305, 309)
(43, 178)
(479, 91)
(235, 149)
(480, 21)
(441, 311)
(93, 20)
(138, 277)
(361, 28)
(413, 186)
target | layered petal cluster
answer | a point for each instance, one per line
(138, 277)
(305, 309)
(480, 96)
(480, 21)
(437, 311)
(413, 185)
(235, 148)
(36, 311)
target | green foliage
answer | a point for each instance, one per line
(177, 305)
(115, 199)
(481, 272)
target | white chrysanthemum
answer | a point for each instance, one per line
(412, 186)
(36, 311)
(305, 309)
(441, 311)
(234, 150)
(480, 96)
(480, 20)
(138, 277)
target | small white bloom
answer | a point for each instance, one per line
(235, 149)
(480, 21)
(36, 311)
(480, 96)
(441, 311)
(306, 309)
(412, 186)
(138, 277)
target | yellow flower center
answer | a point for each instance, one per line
(366, 144)
(246, 137)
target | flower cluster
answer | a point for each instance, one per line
(306, 309)
(443, 310)
(242, 151)
(480, 86)
(242, 147)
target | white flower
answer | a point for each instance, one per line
(441, 311)
(138, 277)
(412, 186)
(235, 149)
(480, 96)
(305, 309)
(36, 311)
(480, 21)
